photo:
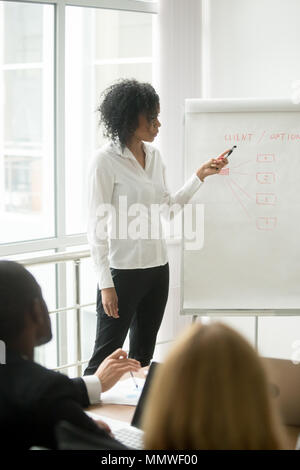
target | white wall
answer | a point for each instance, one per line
(254, 47)
(224, 48)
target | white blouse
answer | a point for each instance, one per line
(116, 178)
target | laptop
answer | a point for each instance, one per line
(132, 435)
(284, 379)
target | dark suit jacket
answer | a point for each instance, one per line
(33, 400)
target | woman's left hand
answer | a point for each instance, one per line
(213, 166)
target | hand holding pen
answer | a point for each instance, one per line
(214, 165)
(222, 158)
(114, 367)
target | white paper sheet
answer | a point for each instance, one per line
(124, 392)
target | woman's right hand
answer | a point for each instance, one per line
(110, 302)
(213, 166)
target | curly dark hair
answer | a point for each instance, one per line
(121, 104)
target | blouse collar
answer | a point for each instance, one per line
(124, 151)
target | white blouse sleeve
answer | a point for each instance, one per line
(101, 184)
(180, 197)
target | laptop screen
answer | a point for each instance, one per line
(137, 417)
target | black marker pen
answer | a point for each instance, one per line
(230, 151)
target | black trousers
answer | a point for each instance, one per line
(142, 297)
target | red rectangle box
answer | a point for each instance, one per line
(266, 223)
(268, 199)
(265, 178)
(265, 157)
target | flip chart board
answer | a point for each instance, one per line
(249, 260)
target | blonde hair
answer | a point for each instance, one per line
(211, 393)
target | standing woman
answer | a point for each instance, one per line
(126, 177)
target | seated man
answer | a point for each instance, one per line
(33, 399)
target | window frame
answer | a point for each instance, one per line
(61, 241)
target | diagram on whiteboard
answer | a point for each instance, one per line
(264, 173)
(262, 178)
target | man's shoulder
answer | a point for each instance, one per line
(47, 379)
(48, 374)
(30, 379)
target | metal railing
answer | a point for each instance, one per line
(76, 257)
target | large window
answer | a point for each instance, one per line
(55, 60)
(26, 117)
(101, 47)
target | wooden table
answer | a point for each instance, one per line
(120, 412)
(125, 413)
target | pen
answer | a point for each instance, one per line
(134, 380)
(136, 385)
(230, 151)
(222, 158)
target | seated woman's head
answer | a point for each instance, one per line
(211, 393)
